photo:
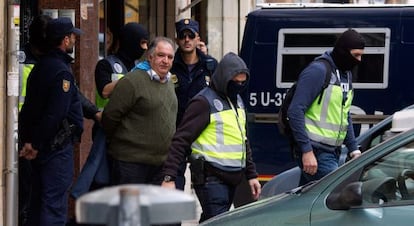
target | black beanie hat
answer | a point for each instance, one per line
(130, 37)
(341, 54)
(37, 31)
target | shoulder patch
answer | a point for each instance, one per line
(66, 85)
(118, 68)
(218, 105)
(174, 78)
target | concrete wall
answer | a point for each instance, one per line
(3, 34)
(225, 25)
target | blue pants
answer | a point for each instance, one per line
(215, 197)
(327, 162)
(52, 176)
(96, 166)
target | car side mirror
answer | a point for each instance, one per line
(350, 195)
(374, 191)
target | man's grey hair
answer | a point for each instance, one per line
(156, 41)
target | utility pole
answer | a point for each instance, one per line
(11, 169)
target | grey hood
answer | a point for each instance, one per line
(229, 66)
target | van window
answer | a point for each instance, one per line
(298, 47)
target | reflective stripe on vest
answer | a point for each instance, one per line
(100, 101)
(222, 142)
(327, 122)
(26, 69)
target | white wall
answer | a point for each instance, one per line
(225, 25)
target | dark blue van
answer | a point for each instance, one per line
(279, 41)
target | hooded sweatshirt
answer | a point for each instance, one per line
(197, 117)
(229, 66)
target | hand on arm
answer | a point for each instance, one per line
(98, 116)
(107, 90)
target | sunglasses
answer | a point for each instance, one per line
(185, 35)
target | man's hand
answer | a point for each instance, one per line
(355, 154)
(168, 184)
(28, 152)
(310, 165)
(98, 116)
(255, 188)
(202, 46)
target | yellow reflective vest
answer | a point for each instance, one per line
(100, 101)
(326, 120)
(223, 142)
(118, 71)
(25, 71)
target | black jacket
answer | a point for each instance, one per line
(51, 97)
(189, 83)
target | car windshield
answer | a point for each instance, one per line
(398, 166)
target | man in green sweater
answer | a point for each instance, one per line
(139, 119)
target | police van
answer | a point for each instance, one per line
(281, 39)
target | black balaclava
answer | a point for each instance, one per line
(130, 37)
(234, 88)
(37, 33)
(341, 54)
(228, 67)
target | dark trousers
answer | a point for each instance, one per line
(215, 197)
(135, 173)
(52, 176)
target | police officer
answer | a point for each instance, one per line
(213, 129)
(191, 71)
(321, 121)
(133, 41)
(191, 66)
(50, 122)
(32, 50)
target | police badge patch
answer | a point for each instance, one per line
(218, 105)
(66, 85)
(174, 78)
(118, 68)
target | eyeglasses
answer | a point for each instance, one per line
(185, 35)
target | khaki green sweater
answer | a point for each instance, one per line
(139, 119)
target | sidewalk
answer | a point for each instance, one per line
(191, 191)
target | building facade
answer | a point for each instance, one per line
(221, 27)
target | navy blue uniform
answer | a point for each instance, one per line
(51, 99)
(190, 82)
